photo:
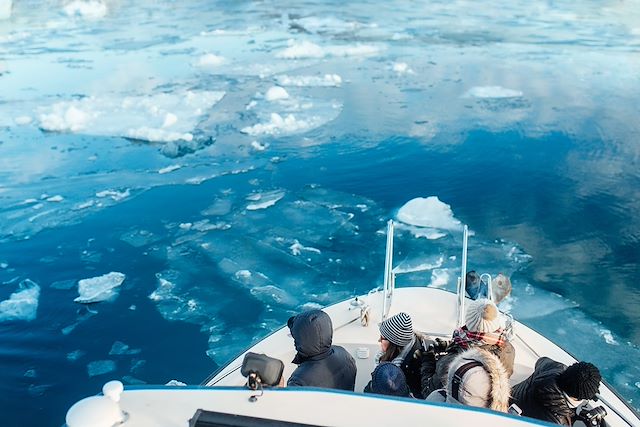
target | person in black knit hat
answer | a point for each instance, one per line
(554, 391)
(388, 379)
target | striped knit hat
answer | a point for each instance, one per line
(397, 329)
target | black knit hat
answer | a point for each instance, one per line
(580, 380)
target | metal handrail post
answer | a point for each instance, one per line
(388, 272)
(463, 277)
(489, 285)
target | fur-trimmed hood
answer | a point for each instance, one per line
(484, 386)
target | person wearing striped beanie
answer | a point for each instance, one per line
(401, 345)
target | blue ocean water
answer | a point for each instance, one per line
(237, 162)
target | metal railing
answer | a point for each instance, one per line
(389, 276)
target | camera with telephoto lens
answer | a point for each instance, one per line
(592, 417)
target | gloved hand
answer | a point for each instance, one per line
(440, 346)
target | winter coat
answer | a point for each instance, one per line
(540, 397)
(411, 367)
(434, 372)
(320, 364)
(467, 391)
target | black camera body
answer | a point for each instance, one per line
(261, 369)
(592, 417)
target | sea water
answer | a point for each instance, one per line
(178, 178)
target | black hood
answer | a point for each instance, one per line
(312, 332)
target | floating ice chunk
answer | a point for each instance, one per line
(422, 266)
(170, 168)
(4, 265)
(84, 205)
(22, 304)
(264, 200)
(218, 208)
(275, 93)
(426, 232)
(278, 125)
(114, 194)
(158, 135)
(128, 379)
(608, 337)
(492, 92)
(305, 49)
(100, 367)
(5, 9)
(38, 390)
(22, 120)
(310, 306)
(56, 198)
(440, 277)
(402, 68)
(99, 288)
(271, 294)
(91, 9)
(210, 60)
(164, 291)
(429, 212)
(138, 238)
(176, 383)
(243, 274)
(137, 365)
(149, 117)
(75, 355)
(30, 373)
(297, 248)
(309, 81)
(302, 49)
(119, 348)
(66, 118)
(259, 147)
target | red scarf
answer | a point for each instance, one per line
(466, 339)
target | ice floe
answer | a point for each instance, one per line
(297, 248)
(428, 212)
(160, 117)
(492, 92)
(305, 49)
(281, 125)
(115, 195)
(90, 9)
(100, 367)
(402, 68)
(264, 200)
(309, 81)
(75, 355)
(276, 93)
(169, 168)
(210, 60)
(22, 304)
(119, 348)
(100, 288)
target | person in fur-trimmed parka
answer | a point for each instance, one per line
(476, 377)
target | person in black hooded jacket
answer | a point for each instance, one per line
(320, 364)
(554, 391)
